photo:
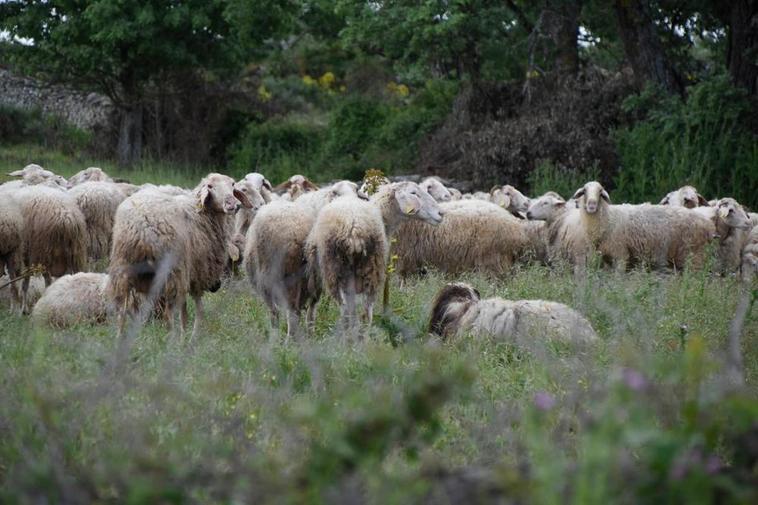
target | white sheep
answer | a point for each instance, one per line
(55, 233)
(474, 236)
(73, 299)
(98, 202)
(651, 234)
(171, 247)
(11, 242)
(349, 242)
(251, 188)
(434, 187)
(510, 199)
(459, 310)
(749, 267)
(34, 291)
(275, 254)
(262, 185)
(88, 174)
(455, 194)
(295, 186)
(566, 238)
(686, 196)
(33, 174)
(732, 226)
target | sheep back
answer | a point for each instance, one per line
(73, 299)
(98, 202)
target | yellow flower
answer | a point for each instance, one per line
(403, 90)
(263, 93)
(308, 80)
(326, 80)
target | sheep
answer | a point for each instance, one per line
(455, 194)
(434, 187)
(98, 202)
(73, 299)
(33, 174)
(654, 234)
(732, 225)
(475, 236)
(11, 241)
(566, 239)
(510, 199)
(172, 247)
(686, 196)
(244, 216)
(55, 234)
(458, 309)
(88, 174)
(749, 267)
(34, 291)
(295, 186)
(262, 185)
(275, 258)
(349, 242)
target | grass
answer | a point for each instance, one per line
(244, 415)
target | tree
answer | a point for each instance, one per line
(122, 48)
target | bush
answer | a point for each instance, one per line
(19, 126)
(547, 177)
(353, 126)
(706, 141)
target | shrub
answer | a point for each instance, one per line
(33, 126)
(547, 177)
(706, 141)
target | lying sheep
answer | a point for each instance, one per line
(295, 186)
(275, 254)
(566, 238)
(434, 187)
(55, 234)
(749, 267)
(11, 242)
(475, 236)
(656, 235)
(98, 202)
(73, 299)
(349, 242)
(459, 310)
(34, 174)
(90, 174)
(686, 196)
(171, 247)
(732, 226)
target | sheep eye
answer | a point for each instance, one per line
(210, 186)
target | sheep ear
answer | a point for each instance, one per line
(560, 203)
(701, 201)
(266, 184)
(309, 186)
(494, 188)
(205, 196)
(409, 204)
(242, 197)
(362, 195)
(604, 195)
(665, 200)
(579, 193)
(16, 173)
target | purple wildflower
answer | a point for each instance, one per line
(544, 401)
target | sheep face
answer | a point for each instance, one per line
(35, 174)
(733, 214)
(449, 305)
(590, 195)
(545, 207)
(346, 188)
(456, 195)
(436, 189)
(88, 174)
(686, 196)
(518, 201)
(258, 181)
(296, 186)
(216, 193)
(416, 203)
(251, 192)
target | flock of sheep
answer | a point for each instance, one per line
(165, 244)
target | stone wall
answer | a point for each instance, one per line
(88, 111)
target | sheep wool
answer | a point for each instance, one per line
(73, 299)
(98, 202)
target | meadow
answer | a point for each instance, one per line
(244, 415)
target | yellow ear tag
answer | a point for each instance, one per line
(410, 210)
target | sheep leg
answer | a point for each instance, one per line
(293, 324)
(348, 308)
(310, 318)
(10, 266)
(25, 295)
(369, 306)
(198, 316)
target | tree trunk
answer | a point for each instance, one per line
(643, 47)
(565, 34)
(130, 135)
(742, 51)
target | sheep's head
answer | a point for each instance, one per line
(88, 174)
(686, 196)
(518, 202)
(545, 206)
(456, 195)
(449, 304)
(296, 186)
(417, 203)
(35, 174)
(733, 215)
(436, 189)
(252, 193)
(590, 196)
(345, 188)
(261, 184)
(217, 193)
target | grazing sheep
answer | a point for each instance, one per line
(686, 196)
(11, 241)
(98, 202)
(434, 187)
(653, 234)
(34, 174)
(295, 186)
(566, 239)
(172, 246)
(750, 257)
(459, 310)
(88, 174)
(55, 234)
(474, 236)
(510, 199)
(275, 254)
(73, 299)
(349, 242)
(732, 226)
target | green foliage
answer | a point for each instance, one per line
(50, 132)
(707, 141)
(547, 177)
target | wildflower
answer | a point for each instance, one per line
(308, 80)
(633, 379)
(544, 401)
(326, 80)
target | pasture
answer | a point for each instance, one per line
(243, 414)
